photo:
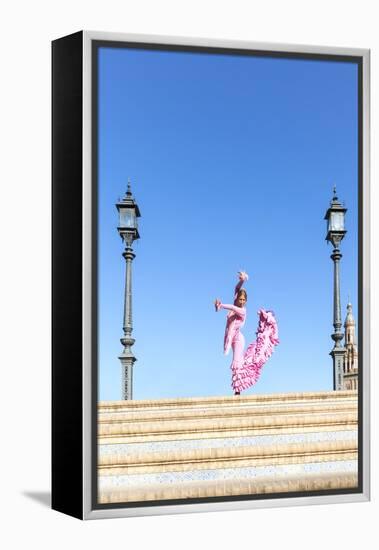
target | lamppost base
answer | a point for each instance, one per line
(127, 362)
(338, 355)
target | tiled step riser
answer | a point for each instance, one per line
(260, 440)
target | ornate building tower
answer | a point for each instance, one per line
(350, 365)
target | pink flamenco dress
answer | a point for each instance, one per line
(246, 366)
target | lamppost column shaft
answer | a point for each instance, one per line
(127, 358)
(128, 324)
(337, 323)
(338, 351)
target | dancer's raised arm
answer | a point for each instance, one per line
(239, 300)
(242, 277)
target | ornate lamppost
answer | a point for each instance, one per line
(128, 212)
(335, 219)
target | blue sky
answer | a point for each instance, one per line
(232, 161)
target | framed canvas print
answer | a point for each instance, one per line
(210, 275)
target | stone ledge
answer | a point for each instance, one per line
(125, 439)
(203, 489)
(235, 457)
(199, 401)
(222, 424)
(232, 411)
(252, 451)
(240, 462)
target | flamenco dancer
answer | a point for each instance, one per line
(246, 366)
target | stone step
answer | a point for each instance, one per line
(224, 427)
(230, 487)
(232, 411)
(227, 401)
(224, 457)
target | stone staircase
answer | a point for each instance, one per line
(219, 446)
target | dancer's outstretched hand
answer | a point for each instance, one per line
(243, 276)
(217, 304)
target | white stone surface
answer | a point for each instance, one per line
(139, 480)
(159, 446)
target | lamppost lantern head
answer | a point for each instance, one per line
(128, 214)
(335, 221)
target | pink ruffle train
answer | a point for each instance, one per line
(246, 373)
